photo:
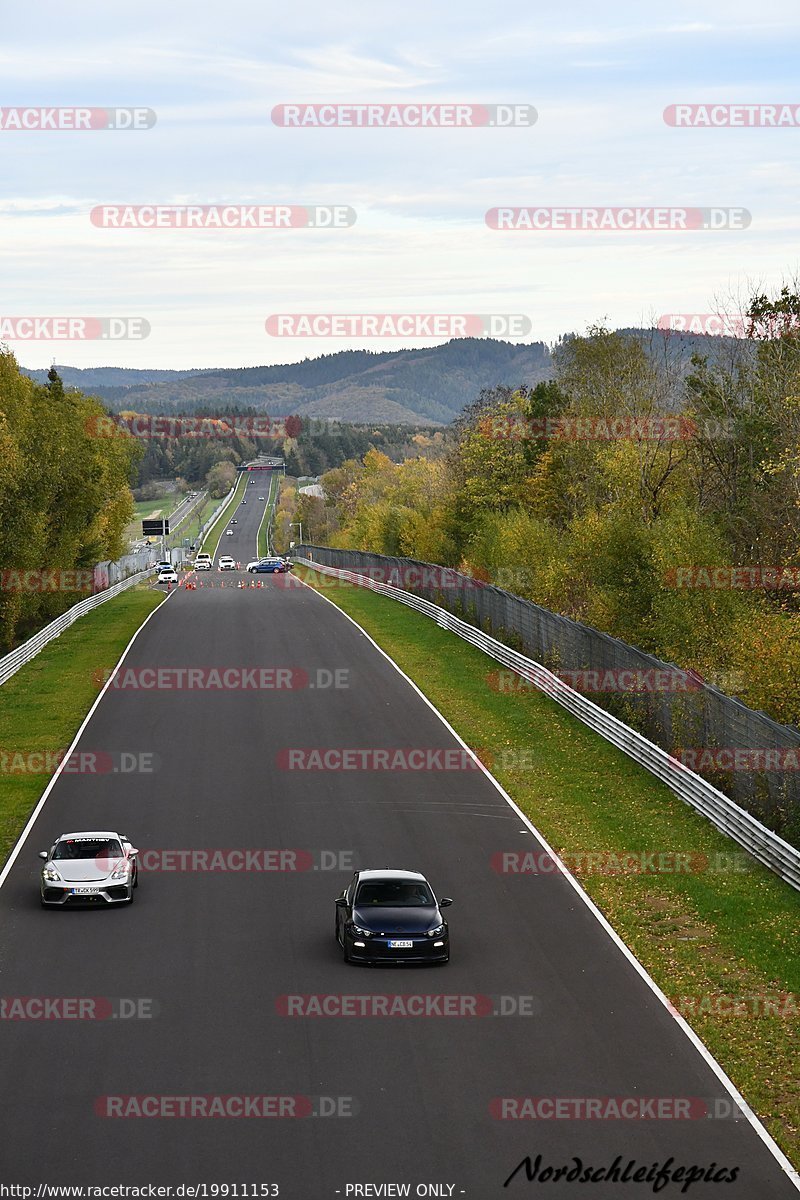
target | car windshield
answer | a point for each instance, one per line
(397, 893)
(82, 848)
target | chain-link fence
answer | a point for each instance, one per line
(744, 753)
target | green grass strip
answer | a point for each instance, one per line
(212, 538)
(721, 944)
(262, 547)
(43, 705)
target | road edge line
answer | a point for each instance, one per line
(783, 1162)
(17, 847)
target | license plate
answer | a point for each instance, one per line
(85, 891)
(400, 945)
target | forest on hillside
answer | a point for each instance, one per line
(590, 493)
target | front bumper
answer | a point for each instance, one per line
(376, 949)
(60, 895)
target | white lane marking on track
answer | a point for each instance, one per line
(51, 784)
(771, 1145)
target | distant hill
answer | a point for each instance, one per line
(89, 379)
(422, 387)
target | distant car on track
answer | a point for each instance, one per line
(262, 497)
(391, 916)
(89, 868)
(226, 563)
(228, 533)
(202, 562)
(262, 565)
(167, 575)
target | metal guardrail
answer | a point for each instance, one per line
(212, 520)
(724, 813)
(272, 500)
(11, 663)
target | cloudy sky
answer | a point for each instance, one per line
(598, 76)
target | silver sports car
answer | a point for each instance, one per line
(89, 868)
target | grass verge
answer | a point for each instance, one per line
(211, 540)
(722, 944)
(262, 548)
(42, 706)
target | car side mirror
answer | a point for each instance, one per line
(132, 852)
(43, 854)
(341, 902)
(445, 902)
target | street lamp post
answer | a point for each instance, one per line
(300, 523)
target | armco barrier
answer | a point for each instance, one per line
(11, 663)
(212, 520)
(684, 714)
(741, 826)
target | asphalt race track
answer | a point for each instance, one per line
(211, 953)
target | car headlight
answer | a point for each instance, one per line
(362, 932)
(435, 932)
(51, 875)
(121, 872)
